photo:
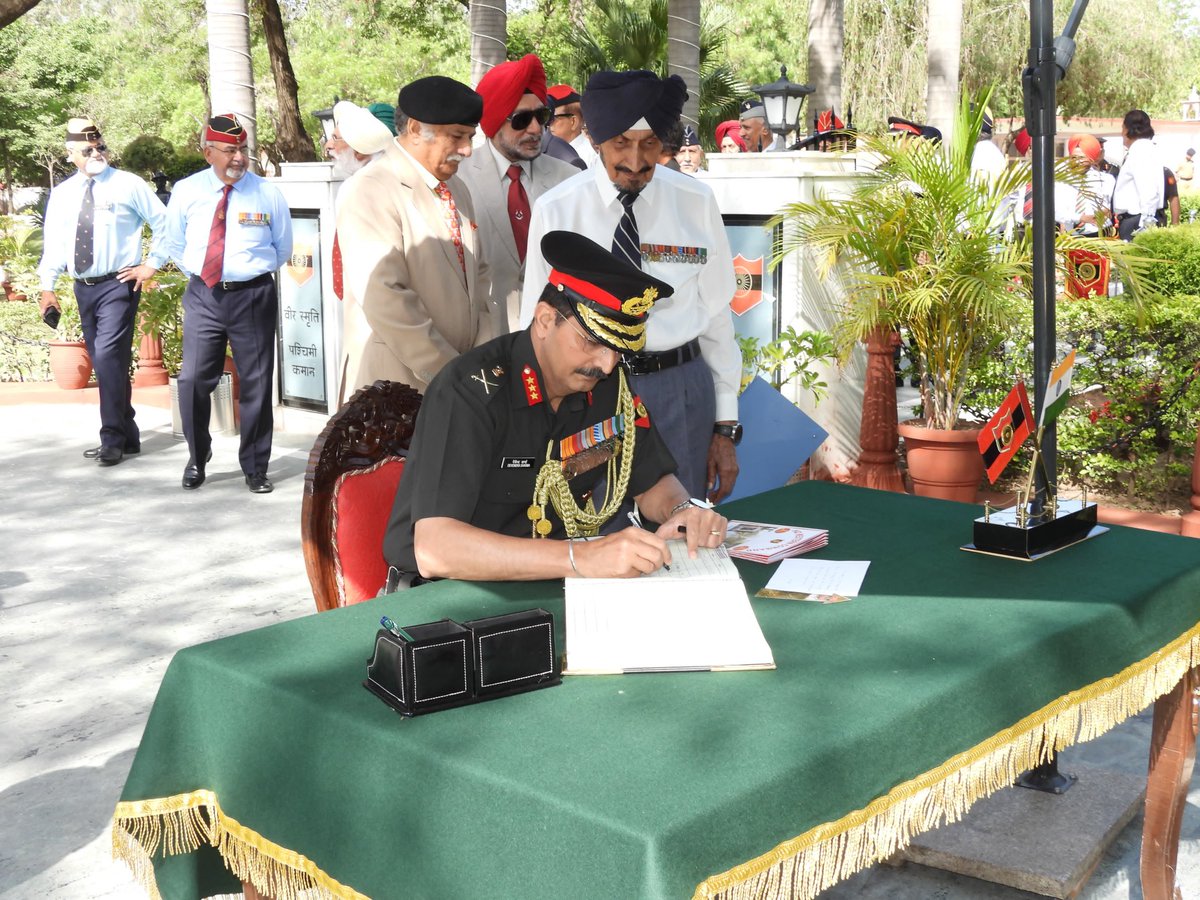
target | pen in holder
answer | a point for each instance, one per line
(424, 668)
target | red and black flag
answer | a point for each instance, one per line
(1006, 431)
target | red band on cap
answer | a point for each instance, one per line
(585, 289)
(901, 126)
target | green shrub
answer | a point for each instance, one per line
(1131, 425)
(24, 354)
(147, 154)
(185, 163)
(1179, 248)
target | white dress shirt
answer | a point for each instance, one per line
(1139, 188)
(123, 203)
(674, 210)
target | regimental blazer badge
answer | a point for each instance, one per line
(748, 292)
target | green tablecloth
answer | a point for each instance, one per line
(884, 713)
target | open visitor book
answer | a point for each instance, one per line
(695, 617)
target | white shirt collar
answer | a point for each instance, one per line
(503, 162)
(431, 180)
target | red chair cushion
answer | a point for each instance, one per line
(362, 505)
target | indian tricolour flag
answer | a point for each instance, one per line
(1058, 391)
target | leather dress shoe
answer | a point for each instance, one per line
(259, 483)
(110, 456)
(193, 474)
(94, 452)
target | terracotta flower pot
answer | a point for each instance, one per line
(70, 364)
(943, 464)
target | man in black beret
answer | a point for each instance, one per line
(537, 438)
(668, 225)
(415, 283)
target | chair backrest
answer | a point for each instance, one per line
(349, 485)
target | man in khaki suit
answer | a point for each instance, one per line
(514, 116)
(416, 284)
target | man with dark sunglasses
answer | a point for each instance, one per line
(508, 174)
(93, 231)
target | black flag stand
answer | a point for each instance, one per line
(1049, 59)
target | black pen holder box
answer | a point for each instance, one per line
(446, 664)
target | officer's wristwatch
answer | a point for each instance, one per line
(733, 432)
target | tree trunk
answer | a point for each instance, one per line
(11, 10)
(683, 53)
(942, 56)
(489, 36)
(231, 72)
(825, 35)
(291, 140)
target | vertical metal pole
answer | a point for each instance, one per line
(1040, 105)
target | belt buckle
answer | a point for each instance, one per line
(225, 285)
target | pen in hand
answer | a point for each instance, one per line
(637, 523)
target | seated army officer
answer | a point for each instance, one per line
(514, 436)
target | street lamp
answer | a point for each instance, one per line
(325, 117)
(782, 101)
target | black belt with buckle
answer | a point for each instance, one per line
(239, 285)
(100, 280)
(649, 363)
(1121, 217)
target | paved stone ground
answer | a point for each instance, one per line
(105, 573)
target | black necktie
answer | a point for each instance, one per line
(625, 238)
(84, 231)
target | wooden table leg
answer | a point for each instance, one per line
(1172, 756)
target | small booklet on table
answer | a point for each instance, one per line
(764, 543)
(695, 617)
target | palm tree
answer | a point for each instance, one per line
(231, 85)
(629, 37)
(920, 249)
(683, 52)
(489, 36)
(941, 63)
(825, 55)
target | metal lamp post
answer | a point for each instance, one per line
(782, 100)
(325, 117)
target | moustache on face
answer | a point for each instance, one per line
(455, 158)
(590, 372)
(644, 170)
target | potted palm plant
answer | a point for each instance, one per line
(70, 363)
(921, 247)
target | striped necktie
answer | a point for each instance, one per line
(625, 238)
(214, 258)
(85, 231)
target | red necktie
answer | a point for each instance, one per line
(518, 210)
(337, 267)
(214, 259)
(450, 211)
(1027, 209)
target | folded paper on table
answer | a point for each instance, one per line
(820, 580)
(695, 617)
(779, 439)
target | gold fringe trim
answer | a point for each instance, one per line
(185, 822)
(808, 864)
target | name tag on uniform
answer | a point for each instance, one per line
(103, 206)
(249, 218)
(673, 253)
(518, 462)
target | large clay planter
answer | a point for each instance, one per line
(943, 464)
(70, 364)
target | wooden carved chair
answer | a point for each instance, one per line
(353, 472)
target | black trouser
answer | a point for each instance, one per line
(245, 318)
(1127, 224)
(108, 310)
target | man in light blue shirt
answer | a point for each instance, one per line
(229, 230)
(93, 231)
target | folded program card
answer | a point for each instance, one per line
(821, 580)
(696, 617)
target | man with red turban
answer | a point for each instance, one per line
(1094, 201)
(508, 174)
(729, 137)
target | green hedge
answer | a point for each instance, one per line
(1179, 247)
(1135, 408)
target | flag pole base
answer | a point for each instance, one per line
(1017, 533)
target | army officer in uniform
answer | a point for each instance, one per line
(514, 436)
